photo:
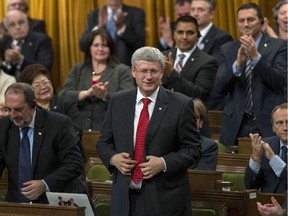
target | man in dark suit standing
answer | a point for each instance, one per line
(126, 25)
(53, 158)
(198, 69)
(267, 169)
(169, 145)
(35, 25)
(212, 38)
(252, 73)
(23, 47)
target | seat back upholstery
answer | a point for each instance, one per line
(98, 172)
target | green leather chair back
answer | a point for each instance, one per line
(98, 172)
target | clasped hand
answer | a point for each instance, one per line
(258, 146)
(151, 167)
(99, 90)
(247, 50)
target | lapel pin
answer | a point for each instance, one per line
(160, 108)
(39, 133)
(201, 46)
(30, 44)
(192, 59)
(265, 45)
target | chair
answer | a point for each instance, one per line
(102, 204)
(203, 212)
(221, 148)
(206, 208)
(215, 121)
(99, 173)
(235, 177)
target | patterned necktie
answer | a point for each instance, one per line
(24, 164)
(111, 27)
(284, 153)
(179, 64)
(140, 139)
(248, 89)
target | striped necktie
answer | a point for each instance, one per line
(179, 64)
(248, 89)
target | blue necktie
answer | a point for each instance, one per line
(284, 153)
(111, 25)
(24, 164)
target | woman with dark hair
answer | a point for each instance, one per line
(92, 82)
(39, 78)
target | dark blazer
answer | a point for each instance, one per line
(132, 38)
(56, 155)
(37, 48)
(213, 40)
(208, 160)
(92, 110)
(37, 25)
(266, 180)
(197, 76)
(268, 87)
(171, 134)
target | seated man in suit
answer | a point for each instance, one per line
(23, 47)
(39, 155)
(182, 8)
(22, 5)
(267, 169)
(251, 77)
(189, 70)
(126, 25)
(209, 147)
(212, 38)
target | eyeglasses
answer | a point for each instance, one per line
(45, 84)
(145, 72)
(281, 124)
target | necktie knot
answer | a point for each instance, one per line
(146, 102)
(179, 64)
(24, 131)
(181, 56)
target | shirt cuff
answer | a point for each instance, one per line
(277, 165)
(165, 167)
(254, 166)
(47, 187)
(236, 71)
(121, 31)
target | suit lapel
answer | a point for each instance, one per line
(206, 40)
(39, 132)
(157, 116)
(129, 118)
(14, 143)
(190, 62)
(263, 45)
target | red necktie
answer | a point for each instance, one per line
(140, 139)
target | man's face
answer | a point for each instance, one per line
(280, 121)
(20, 112)
(17, 5)
(182, 10)
(114, 4)
(249, 23)
(185, 35)
(200, 10)
(148, 76)
(17, 24)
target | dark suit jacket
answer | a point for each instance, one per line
(37, 25)
(56, 155)
(266, 180)
(213, 40)
(208, 160)
(197, 76)
(92, 110)
(171, 134)
(268, 87)
(132, 38)
(37, 48)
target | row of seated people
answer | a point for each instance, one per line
(196, 79)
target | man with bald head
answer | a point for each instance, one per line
(35, 25)
(24, 47)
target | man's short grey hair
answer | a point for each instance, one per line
(150, 54)
(5, 21)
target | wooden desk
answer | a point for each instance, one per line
(89, 140)
(215, 121)
(229, 159)
(25, 209)
(244, 145)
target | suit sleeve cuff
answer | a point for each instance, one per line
(165, 167)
